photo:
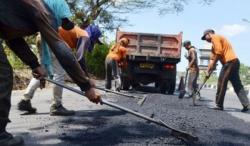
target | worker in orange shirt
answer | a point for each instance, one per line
(222, 51)
(116, 55)
(81, 40)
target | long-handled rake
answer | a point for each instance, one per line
(177, 133)
(140, 102)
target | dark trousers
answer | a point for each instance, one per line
(6, 83)
(230, 72)
(192, 81)
(112, 72)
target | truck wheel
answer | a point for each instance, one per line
(125, 83)
(171, 86)
(156, 85)
(163, 86)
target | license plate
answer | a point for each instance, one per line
(147, 65)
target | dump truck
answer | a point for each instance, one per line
(151, 58)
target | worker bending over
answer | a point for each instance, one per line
(117, 54)
(223, 51)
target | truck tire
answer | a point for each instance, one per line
(163, 86)
(156, 85)
(125, 83)
(171, 86)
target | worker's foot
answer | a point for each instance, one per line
(25, 105)
(118, 84)
(219, 108)
(60, 111)
(245, 109)
(118, 89)
(6, 139)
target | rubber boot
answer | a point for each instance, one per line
(118, 84)
(244, 100)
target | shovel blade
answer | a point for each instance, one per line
(184, 136)
(182, 94)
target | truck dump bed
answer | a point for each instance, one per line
(162, 46)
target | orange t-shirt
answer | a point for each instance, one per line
(71, 36)
(117, 53)
(223, 48)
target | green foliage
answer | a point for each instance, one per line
(245, 74)
(105, 12)
(96, 60)
(212, 80)
(111, 13)
(15, 62)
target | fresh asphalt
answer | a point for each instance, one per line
(99, 125)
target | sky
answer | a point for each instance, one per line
(224, 16)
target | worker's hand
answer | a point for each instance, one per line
(210, 68)
(92, 83)
(40, 73)
(188, 68)
(120, 64)
(93, 96)
(207, 74)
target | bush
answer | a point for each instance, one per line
(15, 62)
(95, 61)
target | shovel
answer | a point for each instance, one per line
(202, 85)
(183, 90)
(177, 133)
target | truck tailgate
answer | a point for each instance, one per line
(153, 45)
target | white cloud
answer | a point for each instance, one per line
(233, 30)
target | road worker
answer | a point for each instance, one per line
(117, 54)
(223, 51)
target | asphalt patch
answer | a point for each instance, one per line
(111, 127)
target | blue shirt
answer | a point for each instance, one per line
(60, 9)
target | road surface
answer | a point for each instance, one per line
(99, 125)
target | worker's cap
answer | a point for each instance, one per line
(124, 41)
(94, 33)
(207, 32)
(187, 42)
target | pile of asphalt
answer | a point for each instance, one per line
(114, 127)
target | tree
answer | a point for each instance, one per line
(177, 6)
(107, 13)
(245, 74)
